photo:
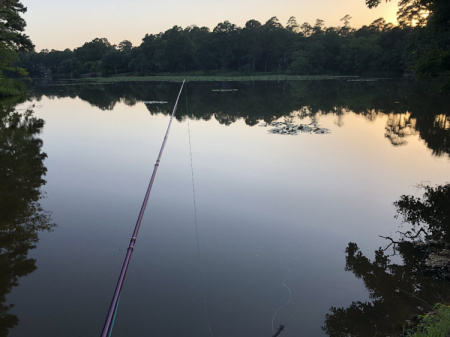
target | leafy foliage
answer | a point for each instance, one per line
(434, 324)
(432, 54)
(12, 40)
(12, 26)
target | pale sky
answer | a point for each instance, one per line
(59, 24)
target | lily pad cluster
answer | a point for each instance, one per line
(286, 128)
(155, 102)
(224, 90)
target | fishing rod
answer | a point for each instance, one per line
(107, 328)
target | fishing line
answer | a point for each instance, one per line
(288, 301)
(205, 302)
(107, 328)
(192, 175)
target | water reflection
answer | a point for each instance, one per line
(409, 287)
(301, 197)
(399, 127)
(411, 108)
(21, 215)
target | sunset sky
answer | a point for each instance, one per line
(56, 24)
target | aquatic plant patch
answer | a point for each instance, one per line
(155, 102)
(286, 128)
(224, 90)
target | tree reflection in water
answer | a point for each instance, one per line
(21, 215)
(398, 127)
(411, 108)
(401, 290)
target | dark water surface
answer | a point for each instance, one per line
(271, 209)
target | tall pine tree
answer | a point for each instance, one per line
(12, 40)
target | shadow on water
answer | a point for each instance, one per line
(414, 284)
(21, 215)
(412, 108)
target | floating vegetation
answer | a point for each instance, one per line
(366, 79)
(155, 102)
(223, 90)
(208, 78)
(286, 128)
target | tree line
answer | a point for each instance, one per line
(420, 44)
(266, 47)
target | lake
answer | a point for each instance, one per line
(265, 241)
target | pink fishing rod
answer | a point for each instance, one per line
(107, 328)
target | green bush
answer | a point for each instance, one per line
(10, 87)
(434, 324)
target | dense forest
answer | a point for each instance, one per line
(257, 47)
(419, 44)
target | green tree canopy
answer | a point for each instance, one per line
(435, 13)
(12, 40)
(12, 26)
(94, 50)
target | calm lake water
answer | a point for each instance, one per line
(275, 213)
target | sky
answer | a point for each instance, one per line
(56, 24)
